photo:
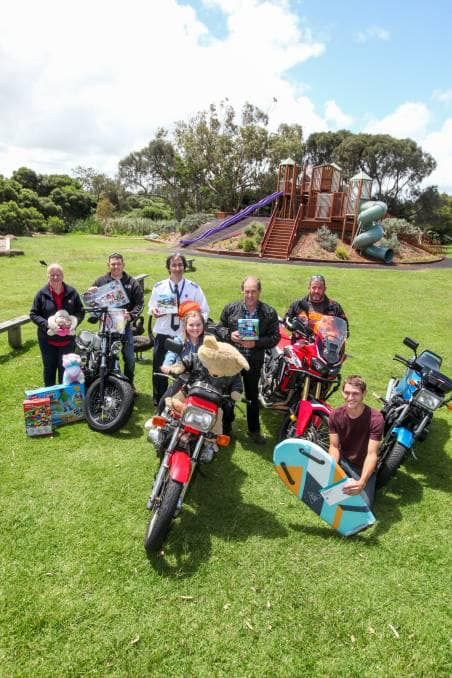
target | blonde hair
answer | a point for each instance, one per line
(186, 318)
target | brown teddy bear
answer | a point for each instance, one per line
(223, 364)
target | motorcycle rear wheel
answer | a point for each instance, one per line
(115, 409)
(162, 517)
(316, 434)
(390, 464)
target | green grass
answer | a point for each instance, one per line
(251, 582)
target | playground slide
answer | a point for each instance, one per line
(230, 221)
(369, 231)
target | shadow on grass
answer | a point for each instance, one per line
(17, 352)
(213, 508)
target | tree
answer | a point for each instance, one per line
(26, 177)
(75, 203)
(321, 146)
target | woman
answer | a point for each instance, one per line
(53, 297)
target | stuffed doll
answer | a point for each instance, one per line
(61, 324)
(72, 370)
(223, 363)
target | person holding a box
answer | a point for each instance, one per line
(252, 327)
(53, 297)
(132, 308)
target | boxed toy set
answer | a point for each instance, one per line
(66, 402)
(38, 417)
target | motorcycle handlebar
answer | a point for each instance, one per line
(401, 359)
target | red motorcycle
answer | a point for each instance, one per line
(302, 372)
(183, 437)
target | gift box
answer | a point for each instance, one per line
(38, 417)
(66, 401)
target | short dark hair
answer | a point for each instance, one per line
(176, 256)
(258, 282)
(115, 255)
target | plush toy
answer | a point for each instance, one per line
(72, 370)
(62, 324)
(221, 361)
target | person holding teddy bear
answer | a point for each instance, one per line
(56, 310)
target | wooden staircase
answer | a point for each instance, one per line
(278, 239)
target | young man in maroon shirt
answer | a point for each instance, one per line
(355, 434)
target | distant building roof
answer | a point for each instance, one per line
(361, 176)
(288, 161)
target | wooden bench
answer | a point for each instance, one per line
(13, 327)
(141, 278)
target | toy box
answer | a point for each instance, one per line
(66, 402)
(38, 418)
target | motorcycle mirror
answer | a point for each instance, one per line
(174, 346)
(411, 343)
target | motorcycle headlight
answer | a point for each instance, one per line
(200, 419)
(427, 399)
(115, 348)
(318, 366)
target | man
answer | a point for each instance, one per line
(355, 434)
(316, 301)
(267, 336)
(133, 309)
(167, 295)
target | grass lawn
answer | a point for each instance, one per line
(251, 582)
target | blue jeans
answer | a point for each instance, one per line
(368, 494)
(128, 354)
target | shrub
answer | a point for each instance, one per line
(240, 245)
(191, 222)
(249, 245)
(260, 231)
(56, 225)
(88, 225)
(393, 226)
(249, 231)
(342, 253)
(326, 239)
(392, 242)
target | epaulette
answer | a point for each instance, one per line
(159, 283)
(194, 284)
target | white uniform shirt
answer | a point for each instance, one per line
(188, 291)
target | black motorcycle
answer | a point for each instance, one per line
(408, 408)
(109, 394)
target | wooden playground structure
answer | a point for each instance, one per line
(311, 197)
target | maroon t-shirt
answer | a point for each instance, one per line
(354, 434)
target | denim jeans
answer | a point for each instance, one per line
(368, 493)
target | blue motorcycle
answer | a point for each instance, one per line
(408, 408)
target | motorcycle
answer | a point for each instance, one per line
(183, 439)
(409, 404)
(109, 394)
(301, 373)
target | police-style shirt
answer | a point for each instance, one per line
(170, 324)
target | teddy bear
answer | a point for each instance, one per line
(62, 324)
(223, 363)
(72, 369)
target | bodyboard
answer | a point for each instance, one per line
(306, 469)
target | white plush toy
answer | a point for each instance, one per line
(72, 370)
(62, 324)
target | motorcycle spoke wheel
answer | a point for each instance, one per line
(287, 429)
(319, 433)
(390, 464)
(112, 411)
(162, 517)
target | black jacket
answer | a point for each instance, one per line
(268, 327)
(133, 290)
(326, 307)
(44, 306)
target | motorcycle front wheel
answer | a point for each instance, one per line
(319, 434)
(162, 517)
(112, 412)
(390, 464)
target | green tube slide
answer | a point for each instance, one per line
(370, 231)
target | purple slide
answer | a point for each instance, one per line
(230, 221)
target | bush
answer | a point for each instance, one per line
(191, 222)
(260, 231)
(249, 245)
(249, 232)
(393, 226)
(342, 253)
(326, 239)
(89, 225)
(56, 225)
(240, 245)
(392, 242)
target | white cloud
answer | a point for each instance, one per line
(337, 117)
(439, 144)
(372, 33)
(442, 95)
(408, 120)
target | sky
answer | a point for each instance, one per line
(89, 82)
